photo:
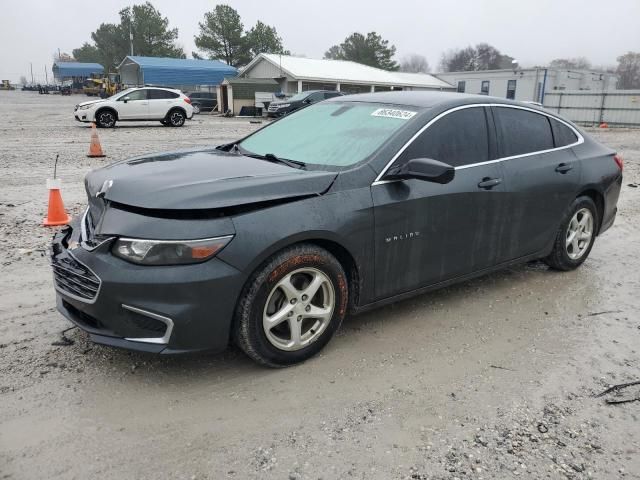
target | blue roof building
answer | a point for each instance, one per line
(175, 72)
(64, 70)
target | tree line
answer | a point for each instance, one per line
(222, 36)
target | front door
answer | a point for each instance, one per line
(136, 106)
(426, 233)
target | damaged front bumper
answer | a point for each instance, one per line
(160, 309)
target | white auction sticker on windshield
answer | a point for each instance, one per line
(393, 113)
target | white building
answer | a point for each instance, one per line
(528, 84)
(298, 74)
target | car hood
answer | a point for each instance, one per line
(201, 179)
(90, 102)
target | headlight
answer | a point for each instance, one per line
(168, 252)
(84, 107)
(284, 105)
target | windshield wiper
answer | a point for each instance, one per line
(285, 161)
(270, 157)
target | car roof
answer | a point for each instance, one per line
(425, 99)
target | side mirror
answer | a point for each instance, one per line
(306, 100)
(425, 169)
(125, 99)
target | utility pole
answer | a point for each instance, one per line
(31, 65)
(130, 32)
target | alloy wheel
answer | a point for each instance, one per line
(579, 233)
(106, 119)
(298, 309)
(177, 119)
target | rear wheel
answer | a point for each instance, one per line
(176, 118)
(106, 119)
(291, 306)
(575, 236)
(196, 108)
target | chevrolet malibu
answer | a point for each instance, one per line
(352, 203)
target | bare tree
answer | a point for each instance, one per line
(415, 63)
(578, 63)
(628, 70)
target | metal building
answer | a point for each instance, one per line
(173, 72)
(75, 71)
(298, 74)
(528, 84)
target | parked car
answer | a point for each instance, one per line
(340, 207)
(171, 107)
(299, 100)
(203, 101)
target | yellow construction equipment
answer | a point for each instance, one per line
(103, 86)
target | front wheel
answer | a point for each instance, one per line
(106, 119)
(575, 236)
(291, 307)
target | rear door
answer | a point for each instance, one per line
(542, 177)
(427, 233)
(160, 101)
(136, 106)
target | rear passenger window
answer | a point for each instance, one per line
(522, 131)
(459, 138)
(161, 94)
(562, 134)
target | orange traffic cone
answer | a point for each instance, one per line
(95, 150)
(56, 215)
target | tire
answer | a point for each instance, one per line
(176, 118)
(262, 322)
(106, 118)
(196, 108)
(575, 236)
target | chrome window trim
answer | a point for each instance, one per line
(156, 340)
(379, 181)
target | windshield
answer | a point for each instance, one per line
(120, 94)
(298, 97)
(333, 134)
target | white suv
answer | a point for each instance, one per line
(169, 106)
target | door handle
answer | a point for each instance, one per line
(488, 183)
(564, 168)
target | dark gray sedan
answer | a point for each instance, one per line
(355, 202)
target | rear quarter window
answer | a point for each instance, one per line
(562, 134)
(522, 131)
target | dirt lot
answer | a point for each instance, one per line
(490, 379)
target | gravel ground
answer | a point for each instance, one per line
(491, 379)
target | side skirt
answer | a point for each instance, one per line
(436, 286)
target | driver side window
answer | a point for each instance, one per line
(459, 138)
(135, 95)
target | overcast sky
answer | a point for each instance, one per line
(532, 31)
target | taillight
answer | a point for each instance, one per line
(618, 159)
(188, 100)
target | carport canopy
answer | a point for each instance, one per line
(136, 70)
(63, 70)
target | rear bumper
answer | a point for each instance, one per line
(151, 309)
(611, 195)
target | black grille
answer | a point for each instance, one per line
(74, 278)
